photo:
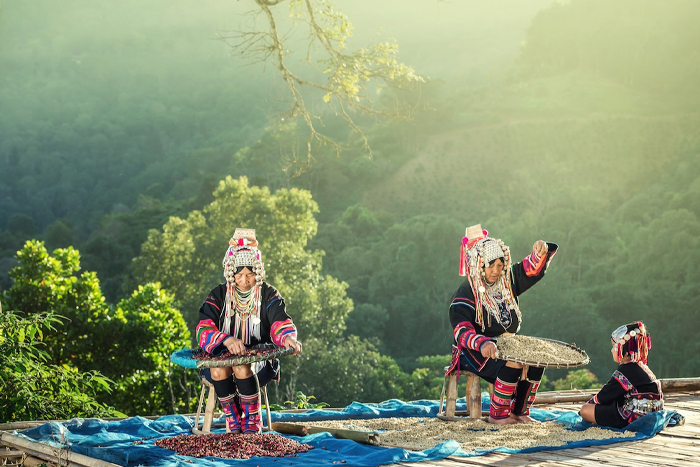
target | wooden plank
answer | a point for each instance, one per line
(199, 409)
(473, 396)
(623, 454)
(675, 385)
(18, 425)
(51, 453)
(680, 436)
(209, 411)
(639, 456)
(32, 461)
(573, 457)
(683, 438)
(7, 454)
(520, 459)
(365, 437)
(451, 397)
(683, 430)
(496, 459)
(686, 443)
(680, 384)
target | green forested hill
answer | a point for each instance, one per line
(103, 103)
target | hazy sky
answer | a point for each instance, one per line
(446, 39)
(440, 39)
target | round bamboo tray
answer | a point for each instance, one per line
(540, 352)
(197, 358)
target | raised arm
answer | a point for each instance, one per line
(532, 269)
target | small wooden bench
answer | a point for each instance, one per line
(449, 396)
(212, 401)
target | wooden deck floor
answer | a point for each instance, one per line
(673, 447)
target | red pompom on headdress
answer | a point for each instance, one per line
(472, 235)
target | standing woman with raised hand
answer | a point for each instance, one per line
(242, 312)
(486, 306)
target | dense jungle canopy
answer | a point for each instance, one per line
(133, 140)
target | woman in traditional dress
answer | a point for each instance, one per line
(486, 306)
(633, 390)
(237, 314)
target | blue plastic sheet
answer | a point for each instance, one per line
(130, 442)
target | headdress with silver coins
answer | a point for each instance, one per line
(478, 251)
(243, 307)
(633, 340)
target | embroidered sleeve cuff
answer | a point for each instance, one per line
(483, 340)
(466, 336)
(281, 330)
(209, 337)
(533, 264)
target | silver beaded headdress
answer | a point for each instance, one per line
(478, 251)
(633, 340)
(492, 250)
(243, 251)
(242, 309)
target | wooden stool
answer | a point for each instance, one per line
(211, 407)
(473, 396)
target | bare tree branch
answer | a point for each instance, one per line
(349, 74)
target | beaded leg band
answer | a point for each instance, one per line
(229, 405)
(503, 390)
(250, 416)
(250, 404)
(526, 391)
(228, 397)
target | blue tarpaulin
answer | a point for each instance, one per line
(130, 442)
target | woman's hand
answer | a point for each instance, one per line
(292, 342)
(540, 248)
(235, 346)
(489, 350)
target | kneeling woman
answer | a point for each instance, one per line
(486, 306)
(242, 312)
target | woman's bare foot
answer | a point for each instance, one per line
(525, 419)
(502, 421)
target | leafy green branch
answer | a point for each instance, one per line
(350, 74)
(35, 390)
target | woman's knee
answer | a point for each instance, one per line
(242, 371)
(588, 412)
(220, 374)
(514, 365)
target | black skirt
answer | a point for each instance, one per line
(488, 371)
(266, 374)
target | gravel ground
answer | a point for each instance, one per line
(423, 433)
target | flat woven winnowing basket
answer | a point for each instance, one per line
(198, 358)
(539, 352)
